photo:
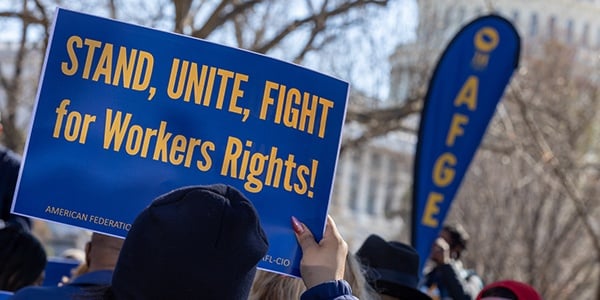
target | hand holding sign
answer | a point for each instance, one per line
(323, 261)
(218, 114)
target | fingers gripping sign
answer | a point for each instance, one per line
(323, 261)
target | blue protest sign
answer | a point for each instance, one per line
(126, 113)
(5, 295)
(464, 90)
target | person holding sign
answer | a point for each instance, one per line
(269, 285)
(323, 264)
(204, 242)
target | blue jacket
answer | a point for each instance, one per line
(5, 295)
(75, 288)
(331, 290)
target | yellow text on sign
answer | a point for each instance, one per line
(485, 41)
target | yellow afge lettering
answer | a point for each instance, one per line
(456, 128)
(485, 41)
(468, 93)
(432, 208)
(443, 174)
(466, 96)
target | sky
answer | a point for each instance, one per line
(377, 41)
(397, 25)
(393, 26)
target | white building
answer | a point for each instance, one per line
(373, 184)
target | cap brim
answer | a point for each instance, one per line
(401, 291)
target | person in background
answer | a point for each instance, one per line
(10, 163)
(446, 278)
(356, 274)
(22, 258)
(101, 254)
(74, 254)
(273, 286)
(508, 290)
(78, 255)
(392, 268)
(268, 285)
(204, 242)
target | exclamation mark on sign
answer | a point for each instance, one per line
(313, 177)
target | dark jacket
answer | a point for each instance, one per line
(451, 281)
(331, 290)
(10, 163)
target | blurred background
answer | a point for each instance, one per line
(530, 200)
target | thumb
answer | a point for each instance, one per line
(331, 230)
(303, 235)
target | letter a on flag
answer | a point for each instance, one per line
(464, 90)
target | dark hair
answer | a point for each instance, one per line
(499, 291)
(22, 258)
(458, 235)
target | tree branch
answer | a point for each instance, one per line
(315, 18)
(218, 17)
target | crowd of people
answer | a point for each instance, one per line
(204, 242)
(152, 264)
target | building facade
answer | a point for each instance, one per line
(373, 183)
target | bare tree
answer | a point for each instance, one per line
(289, 30)
(14, 72)
(531, 200)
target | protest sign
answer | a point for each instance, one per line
(126, 113)
(464, 90)
(5, 295)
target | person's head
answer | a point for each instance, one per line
(268, 285)
(193, 242)
(273, 286)
(74, 254)
(392, 268)
(456, 237)
(79, 256)
(355, 274)
(22, 258)
(102, 252)
(508, 290)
